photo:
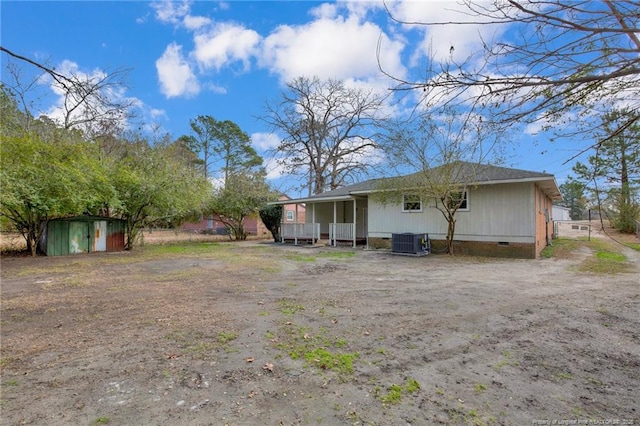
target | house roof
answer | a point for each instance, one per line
(464, 173)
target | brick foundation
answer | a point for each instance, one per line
(473, 248)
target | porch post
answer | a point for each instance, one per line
(354, 223)
(334, 225)
(313, 222)
(295, 227)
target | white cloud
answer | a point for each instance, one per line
(175, 74)
(157, 113)
(330, 48)
(171, 12)
(265, 141)
(214, 88)
(178, 14)
(361, 9)
(438, 39)
(224, 44)
(325, 11)
(274, 168)
(195, 22)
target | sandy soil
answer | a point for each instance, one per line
(260, 333)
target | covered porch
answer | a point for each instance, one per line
(337, 220)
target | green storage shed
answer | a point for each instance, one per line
(83, 234)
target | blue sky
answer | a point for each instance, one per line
(226, 59)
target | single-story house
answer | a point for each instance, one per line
(83, 234)
(506, 212)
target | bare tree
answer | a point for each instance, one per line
(440, 154)
(329, 130)
(567, 62)
(89, 102)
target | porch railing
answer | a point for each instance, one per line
(341, 231)
(302, 231)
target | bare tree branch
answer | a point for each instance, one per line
(563, 60)
(89, 102)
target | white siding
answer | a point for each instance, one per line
(503, 212)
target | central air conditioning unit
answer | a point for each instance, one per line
(410, 244)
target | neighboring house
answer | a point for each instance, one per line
(208, 225)
(294, 212)
(291, 213)
(507, 213)
(560, 213)
(253, 225)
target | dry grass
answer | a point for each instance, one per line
(13, 242)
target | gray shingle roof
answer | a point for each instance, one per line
(464, 172)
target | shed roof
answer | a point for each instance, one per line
(85, 218)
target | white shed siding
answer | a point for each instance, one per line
(560, 213)
(501, 212)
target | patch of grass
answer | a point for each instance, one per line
(272, 269)
(301, 258)
(506, 361)
(594, 381)
(101, 421)
(226, 336)
(635, 246)
(393, 395)
(194, 343)
(199, 348)
(612, 257)
(182, 247)
(12, 383)
(479, 388)
(4, 361)
(318, 349)
(561, 248)
(337, 254)
(563, 376)
(394, 392)
(472, 416)
(287, 307)
(326, 360)
(412, 385)
(607, 258)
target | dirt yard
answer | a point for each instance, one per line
(219, 333)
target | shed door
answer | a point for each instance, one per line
(100, 236)
(78, 237)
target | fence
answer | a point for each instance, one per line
(341, 232)
(300, 231)
(571, 229)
